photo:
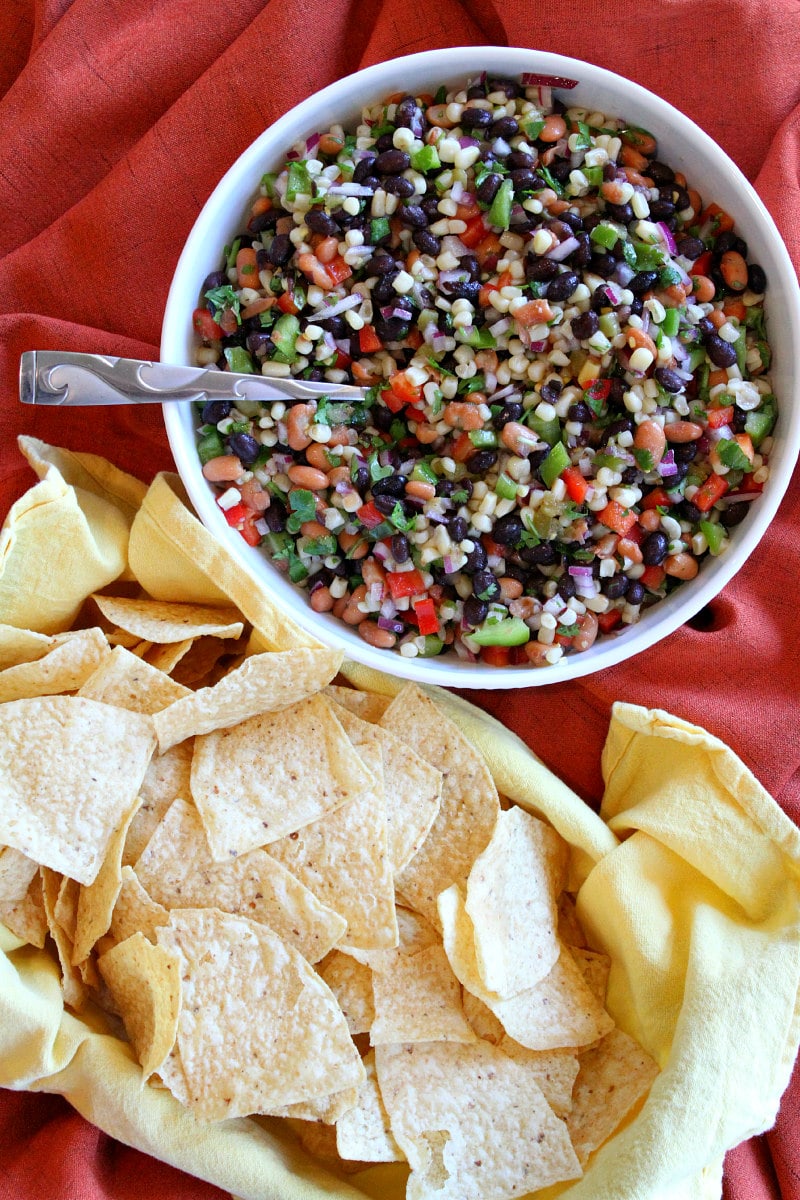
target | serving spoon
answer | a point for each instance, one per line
(61, 377)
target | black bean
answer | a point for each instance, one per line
(398, 185)
(721, 353)
(262, 221)
(485, 585)
(756, 278)
(457, 528)
(660, 172)
(392, 485)
(518, 160)
(475, 118)
(412, 214)
(661, 210)
(281, 250)
(551, 390)
(733, 515)
(476, 559)
(669, 381)
(579, 411)
(400, 548)
(245, 447)
(623, 213)
(383, 292)
(635, 592)
(468, 262)
(621, 425)
(216, 410)
(488, 187)
(475, 611)
(511, 88)
(654, 548)
(448, 487)
(585, 325)
(525, 180)
(739, 419)
(392, 329)
(725, 241)
(684, 452)
(335, 325)
(614, 586)
(386, 504)
(260, 341)
(407, 114)
(363, 168)
(505, 127)
(511, 411)
(391, 162)
(632, 476)
(642, 282)
(508, 530)
(567, 588)
(426, 242)
(275, 516)
(543, 555)
(582, 254)
(636, 307)
(603, 265)
(690, 247)
(481, 461)
(477, 91)
(689, 512)
(562, 287)
(467, 289)
(539, 270)
(214, 280)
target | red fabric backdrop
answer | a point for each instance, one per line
(116, 120)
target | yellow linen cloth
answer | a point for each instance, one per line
(689, 878)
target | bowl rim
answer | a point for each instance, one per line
(298, 121)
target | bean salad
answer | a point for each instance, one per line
(567, 399)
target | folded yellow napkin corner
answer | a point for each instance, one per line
(689, 878)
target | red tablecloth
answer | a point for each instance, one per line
(116, 120)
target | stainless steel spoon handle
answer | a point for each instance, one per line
(59, 377)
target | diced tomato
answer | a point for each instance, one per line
(577, 486)
(615, 517)
(415, 414)
(474, 233)
(368, 515)
(535, 312)
(249, 531)
(722, 221)
(392, 401)
(462, 448)
(467, 208)
(368, 340)
(505, 280)
(485, 294)
(405, 583)
(496, 656)
(609, 620)
(487, 251)
(338, 270)
(717, 417)
(733, 307)
(427, 620)
(236, 514)
(747, 487)
(658, 498)
(342, 360)
(701, 265)
(205, 325)
(286, 303)
(709, 492)
(652, 577)
(415, 338)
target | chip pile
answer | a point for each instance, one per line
(303, 901)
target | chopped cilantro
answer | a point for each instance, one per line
(223, 298)
(304, 508)
(644, 460)
(732, 455)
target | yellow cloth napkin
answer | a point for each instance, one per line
(689, 878)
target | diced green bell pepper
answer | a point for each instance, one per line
(500, 211)
(556, 461)
(239, 360)
(510, 632)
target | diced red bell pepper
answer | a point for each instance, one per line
(342, 361)
(652, 577)
(496, 656)
(576, 485)
(338, 270)
(235, 515)
(717, 417)
(405, 583)
(401, 385)
(392, 401)
(609, 620)
(368, 340)
(249, 531)
(615, 517)
(702, 265)
(474, 233)
(427, 620)
(709, 492)
(658, 498)
(368, 515)
(286, 304)
(205, 325)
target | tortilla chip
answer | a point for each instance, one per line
(167, 776)
(327, 1108)
(511, 899)
(273, 774)
(351, 984)
(364, 1132)
(559, 1011)
(419, 1000)
(65, 909)
(16, 873)
(482, 1019)
(26, 918)
(135, 911)
(258, 1028)
(595, 969)
(471, 1122)
(343, 858)
(413, 787)
(62, 669)
(201, 658)
(166, 657)
(131, 682)
(570, 930)
(369, 706)
(161, 621)
(265, 683)
(96, 901)
(469, 804)
(414, 934)
(145, 984)
(177, 871)
(69, 769)
(72, 986)
(613, 1077)
(24, 645)
(555, 1071)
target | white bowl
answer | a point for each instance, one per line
(684, 146)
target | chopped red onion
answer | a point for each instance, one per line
(381, 551)
(500, 148)
(439, 343)
(645, 319)
(623, 274)
(391, 624)
(563, 249)
(533, 79)
(261, 527)
(449, 565)
(680, 353)
(723, 434)
(579, 572)
(349, 189)
(312, 141)
(453, 244)
(668, 466)
(667, 236)
(375, 592)
(388, 607)
(731, 498)
(465, 141)
(587, 589)
(343, 487)
(402, 314)
(608, 290)
(518, 215)
(457, 191)
(501, 326)
(508, 390)
(351, 301)
(456, 276)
